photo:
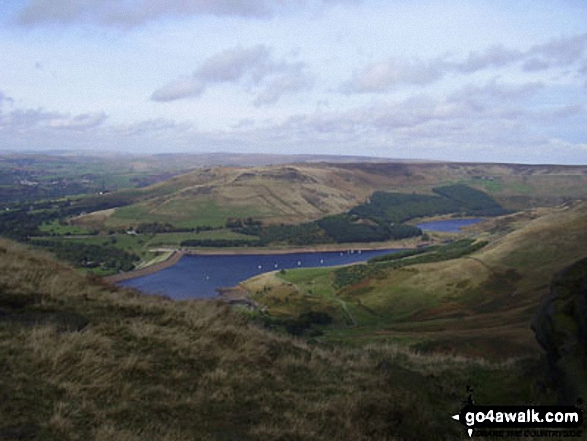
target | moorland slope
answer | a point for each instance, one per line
(299, 193)
(481, 303)
(81, 359)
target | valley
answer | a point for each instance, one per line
(291, 220)
(446, 309)
(480, 303)
(282, 206)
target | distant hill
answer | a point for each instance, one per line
(199, 159)
(296, 193)
(34, 176)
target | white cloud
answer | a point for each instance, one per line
(233, 64)
(34, 119)
(490, 101)
(151, 126)
(254, 67)
(495, 56)
(39, 129)
(275, 84)
(78, 122)
(492, 92)
(561, 51)
(489, 122)
(291, 79)
(181, 88)
(130, 13)
(383, 76)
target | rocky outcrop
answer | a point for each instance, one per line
(561, 329)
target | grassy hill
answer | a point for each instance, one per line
(288, 194)
(303, 192)
(81, 359)
(481, 303)
(45, 175)
(279, 206)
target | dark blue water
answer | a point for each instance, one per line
(200, 276)
(447, 225)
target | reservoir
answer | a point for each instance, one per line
(448, 225)
(200, 276)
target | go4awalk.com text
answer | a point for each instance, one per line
(521, 421)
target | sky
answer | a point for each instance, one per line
(484, 81)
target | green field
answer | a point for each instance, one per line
(206, 213)
(59, 229)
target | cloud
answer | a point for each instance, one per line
(233, 64)
(494, 56)
(494, 115)
(181, 88)
(492, 92)
(131, 13)
(383, 76)
(255, 67)
(421, 127)
(39, 129)
(560, 52)
(292, 79)
(78, 122)
(494, 122)
(150, 126)
(34, 119)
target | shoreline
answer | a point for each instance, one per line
(299, 249)
(167, 263)
(177, 254)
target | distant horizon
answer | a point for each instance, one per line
(305, 157)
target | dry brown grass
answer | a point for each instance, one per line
(147, 368)
(303, 192)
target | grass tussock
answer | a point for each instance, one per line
(146, 368)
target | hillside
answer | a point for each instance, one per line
(84, 360)
(288, 194)
(481, 303)
(303, 192)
